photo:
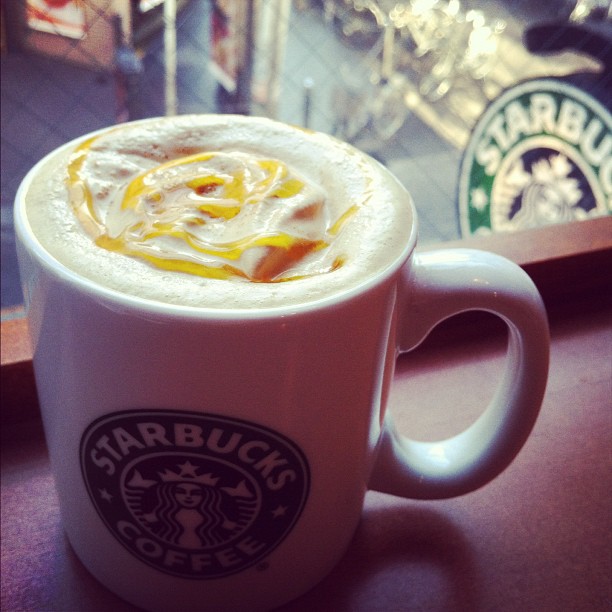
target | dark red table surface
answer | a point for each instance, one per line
(539, 537)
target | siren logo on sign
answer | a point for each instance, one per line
(540, 154)
(193, 495)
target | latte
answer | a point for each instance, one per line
(218, 212)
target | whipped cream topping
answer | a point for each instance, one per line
(214, 214)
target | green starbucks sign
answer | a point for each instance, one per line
(540, 154)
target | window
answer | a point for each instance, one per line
(408, 82)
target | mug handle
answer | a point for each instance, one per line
(437, 285)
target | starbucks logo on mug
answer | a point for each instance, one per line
(194, 495)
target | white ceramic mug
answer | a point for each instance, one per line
(214, 459)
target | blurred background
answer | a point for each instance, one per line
(413, 83)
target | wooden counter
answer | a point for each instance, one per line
(539, 537)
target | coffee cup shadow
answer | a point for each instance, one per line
(402, 556)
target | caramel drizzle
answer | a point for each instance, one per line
(215, 198)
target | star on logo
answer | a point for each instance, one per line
(479, 199)
(188, 469)
(104, 494)
(280, 511)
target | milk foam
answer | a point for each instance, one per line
(362, 220)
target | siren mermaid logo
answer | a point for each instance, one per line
(194, 495)
(187, 508)
(540, 154)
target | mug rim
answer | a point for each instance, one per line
(28, 239)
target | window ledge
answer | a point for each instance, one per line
(570, 265)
